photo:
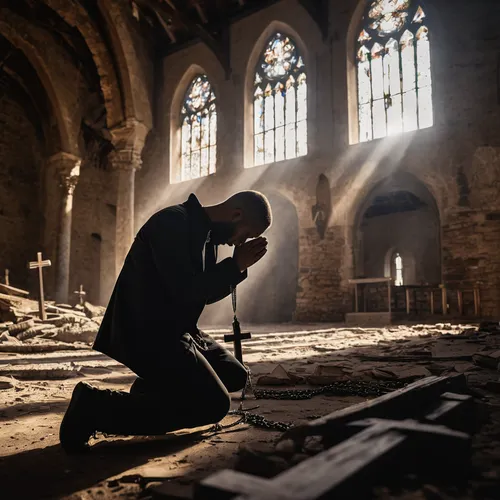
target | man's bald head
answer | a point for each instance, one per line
(242, 216)
(255, 208)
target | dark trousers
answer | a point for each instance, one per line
(191, 389)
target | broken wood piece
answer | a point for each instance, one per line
(401, 373)
(34, 331)
(395, 404)
(10, 290)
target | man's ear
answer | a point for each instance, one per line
(237, 215)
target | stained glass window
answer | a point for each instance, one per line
(198, 130)
(280, 103)
(394, 70)
(398, 263)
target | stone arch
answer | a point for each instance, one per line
(135, 87)
(399, 212)
(255, 53)
(63, 103)
(175, 113)
(75, 15)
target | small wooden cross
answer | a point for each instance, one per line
(39, 264)
(81, 294)
(7, 277)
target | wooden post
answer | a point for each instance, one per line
(39, 264)
(460, 300)
(7, 282)
(81, 294)
(389, 295)
(407, 290)
(444, 301)
(432, 301)
(477, 302)
(356, 298)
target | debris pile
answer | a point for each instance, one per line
(20, 322)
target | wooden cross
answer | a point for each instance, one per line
(39, 264)
(7, 277)
(81, 294)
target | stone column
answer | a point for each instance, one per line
(125, 160)
(67, 169)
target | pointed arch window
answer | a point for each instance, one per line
(394, 70)
(398, 266)
(198, 130)
(280, 102)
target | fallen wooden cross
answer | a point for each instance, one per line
(393, 432)
(39, 264)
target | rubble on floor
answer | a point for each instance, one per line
(67, 328)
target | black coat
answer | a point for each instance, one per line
(162, 289)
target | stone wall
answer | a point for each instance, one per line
(93, 233)
(20, 207)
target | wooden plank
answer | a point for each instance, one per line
(460, 301)
(407, 301)
(369, 280)
(444, 301)
(394, 404)
(336, 471)
(356, 306)
(432, 301)
(10, 290)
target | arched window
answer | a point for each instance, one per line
(280, 103)
(394, 70)
(198, 130)
(398, 264)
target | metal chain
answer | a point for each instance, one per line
(341, 388)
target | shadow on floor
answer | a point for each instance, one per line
(51, 473)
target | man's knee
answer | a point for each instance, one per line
(218, 408)
(238, 378)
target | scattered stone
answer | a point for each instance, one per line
(92, 311)
(6, 338)
(17, 328)
(493, 386)
(487, 359)
(49, 371)
(327, 374)
(6, 383)
(279, 376)
(33, 332)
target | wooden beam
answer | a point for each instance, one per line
(168, 29)
(172, 9)
(200, 11)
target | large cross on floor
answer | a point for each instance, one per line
(40, 264)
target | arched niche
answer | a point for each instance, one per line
(268, 295)
(399, 215)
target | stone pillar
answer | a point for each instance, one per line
(125, 160)
(67, 169)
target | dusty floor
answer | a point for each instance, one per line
(32, 464)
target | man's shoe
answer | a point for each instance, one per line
(77, 426)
